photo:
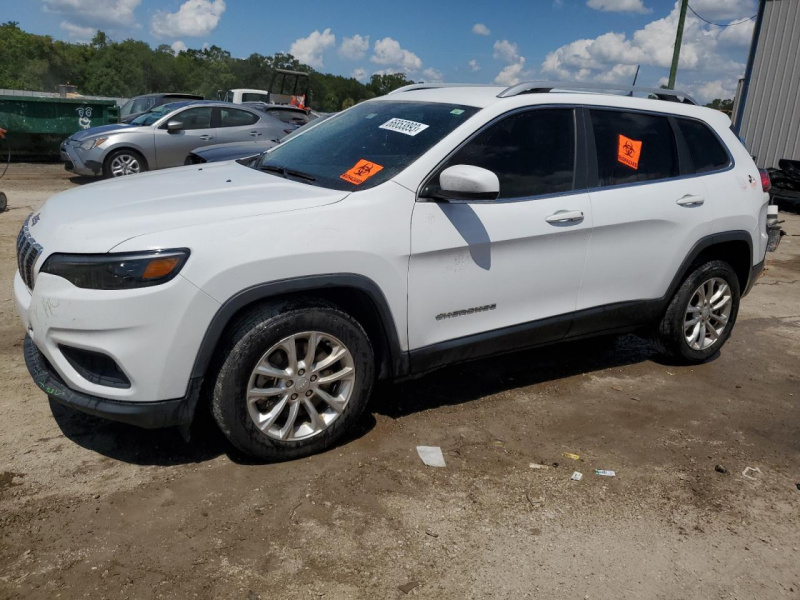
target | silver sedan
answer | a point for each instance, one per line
(164, 136)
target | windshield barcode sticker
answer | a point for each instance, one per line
(411, 128)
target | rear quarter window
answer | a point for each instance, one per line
(705, 149)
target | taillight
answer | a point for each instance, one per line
(766, 183)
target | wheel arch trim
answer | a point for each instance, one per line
(398, 359)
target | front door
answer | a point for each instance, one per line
(486, 267)
(196, 131)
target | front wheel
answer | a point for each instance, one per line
(701, 314)
(292, 379)
(124, 162)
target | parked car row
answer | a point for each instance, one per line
(165, 135)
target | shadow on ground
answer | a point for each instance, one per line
(450, 386)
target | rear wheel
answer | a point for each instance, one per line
(292, 379)
(124, 162)
(701, 314)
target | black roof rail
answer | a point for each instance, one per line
(544, 87)
(433, 86)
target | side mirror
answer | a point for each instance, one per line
(467, 182)
(174, 125)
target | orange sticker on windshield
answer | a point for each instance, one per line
(363, 170)
(629, 151)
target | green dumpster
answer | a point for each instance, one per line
(37, 126)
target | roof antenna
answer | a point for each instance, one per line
(635, 77)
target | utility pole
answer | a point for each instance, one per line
(676, 54)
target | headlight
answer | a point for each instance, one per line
(117, 271)
(89, 144)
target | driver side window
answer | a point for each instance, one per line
(532, 153)
(196, 118)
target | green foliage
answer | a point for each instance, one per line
(129, 68)
(725, 106)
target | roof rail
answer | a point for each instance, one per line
(539, 87)
(433, 86)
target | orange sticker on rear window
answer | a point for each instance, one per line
(629, 151)
(362, 171)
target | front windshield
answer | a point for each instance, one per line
(366, 145)
(154, 115)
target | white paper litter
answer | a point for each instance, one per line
(431, 456)
(576, 476)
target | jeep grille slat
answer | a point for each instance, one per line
(27, 253)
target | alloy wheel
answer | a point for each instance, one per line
(300, 386)
(707, 314)
(125, 164)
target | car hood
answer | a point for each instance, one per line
(94, 131)
(233, 150)
(97, 217)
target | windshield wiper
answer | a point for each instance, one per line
(286, 173)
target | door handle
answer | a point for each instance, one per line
(565, 216)
(255, 133)
(689, 200)
(206, 137)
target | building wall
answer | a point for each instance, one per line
(770, 124)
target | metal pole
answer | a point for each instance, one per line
(676, 54)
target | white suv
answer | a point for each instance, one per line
(426, 227)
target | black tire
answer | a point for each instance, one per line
(249, 338)
(107, 164)
(3, 202)
(669, 338)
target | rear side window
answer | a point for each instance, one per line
(704, 147)
(233, 117)
(633, 147)
(289, 116)
(532, 153)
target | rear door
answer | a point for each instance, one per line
(173, 147)
(237, 125)
(648, 207)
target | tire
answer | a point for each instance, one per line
(259, 338)
(3, 202)
(124, 162)
(670, 338)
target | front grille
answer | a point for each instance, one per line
(27, 253)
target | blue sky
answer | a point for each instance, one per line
(502, 41)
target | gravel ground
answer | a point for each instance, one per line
(90, 508)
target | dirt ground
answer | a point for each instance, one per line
(94, 509)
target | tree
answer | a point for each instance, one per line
(131, 67)
(381, 85)
(725, 106)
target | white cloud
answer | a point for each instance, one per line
(78, 33)
(725, 10)
(480, 29)
(474, 66)
(506, 51)
(309, 49)
(194, 18)
(359, 74)
(613, 56)
(388, 52)
(95, 14)
(510, 75)
(710, 90)
(627, 6)
(354, 48)
(431, 75)
(178, 47)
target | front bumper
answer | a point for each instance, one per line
(151, 415)
(152, 334)
(80, 161)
